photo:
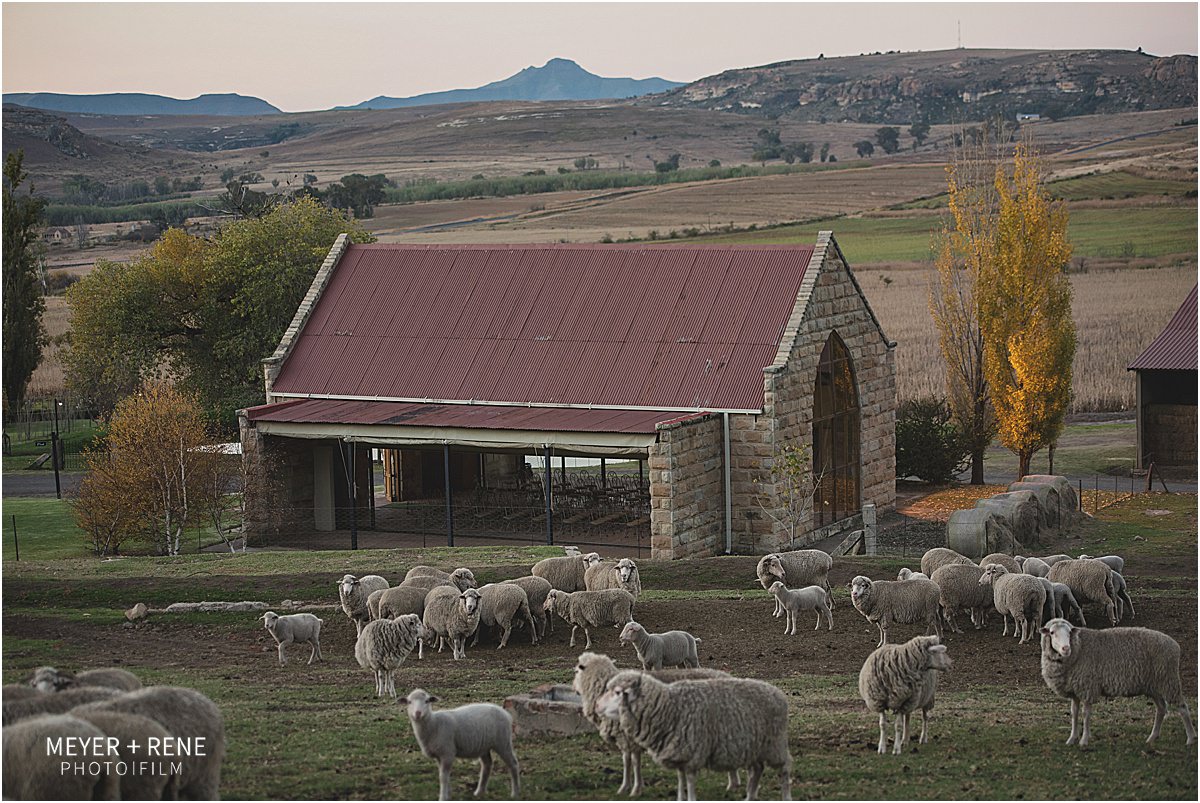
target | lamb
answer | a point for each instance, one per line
(588, 609)
(796, 569)
(462, 577)
(1059, 601)
(389, 603)
(901, 601)
(452, 616)
(565, 573)
(908, 574)
(186, 714)
(469, 731)
(723, 724)
(958, 587)
(592, 673)
(536, 589)
(1035, 567)
(60, 703)
(49, 679)
(793, 601)
(1004, 560)
(301, 628)
(503, 605)
(1090, 581)
(1114, 562)
(385, 644)
(1085, 665)
(938, 557)
(656, 650)
(1020, 596)
(33, 772)
(903, 678)
(134, 734)
(353, 592)
(613, 574)
(1122, 597)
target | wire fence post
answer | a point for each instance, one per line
(16, 546)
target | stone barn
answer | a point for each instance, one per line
(1166, 393)
(680, 373)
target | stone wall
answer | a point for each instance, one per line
(687, 489)
(280, 479)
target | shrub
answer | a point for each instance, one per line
(928, 444)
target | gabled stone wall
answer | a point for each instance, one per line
(687, 489)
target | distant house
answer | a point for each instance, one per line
(57, 235)
(1023, 117)
(1166, 392)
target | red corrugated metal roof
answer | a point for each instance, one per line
(471, 416)
(1175, 347)
(640, 326)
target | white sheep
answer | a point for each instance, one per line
(452, 616)
(1021, 596)
(592, 673)
(33, 772)
(137, 737)
(1035, 567)
(1050, 560)
(503, 605)
(796, 600)
(1090, 581)
(353, 593)
(462, 577)
(298, 628)
(565, 573)
(1114, 562)
(908, 574)
(722, 724)
(59, 703)
(536, 589)
(902, 678)
(796, 569)
(588, 609)
(883, 602)
(940, 556)
(1007, 561)
(385, 644)
(18, 691)
(1122, 597)
(958, 587)
(1086, 665)
(469, 731)
(613, 574)
(656, 650)
(388, 603)
(49, 679)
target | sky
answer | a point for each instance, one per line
(305, 56)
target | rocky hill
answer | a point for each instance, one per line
(140, 103)
(947, 86)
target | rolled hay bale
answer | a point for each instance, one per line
(980, 531)
(1068, 499)
(1049, 500)
(1025, 516)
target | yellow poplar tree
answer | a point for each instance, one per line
(1025, 306)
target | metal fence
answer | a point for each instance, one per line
(35, 419)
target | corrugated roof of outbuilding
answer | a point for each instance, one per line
(1175, 347)
(671, 328)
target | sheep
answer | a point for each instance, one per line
(134, 734)
(1122, 598)
(503, 605)
(908, 574)
(798, 568)
(723, 724)
(793, 601)
(1020, 596)
(1085, 665)
(565, 573)
(33, 772)
(60, 703)
(1035, 567)
(1090, 581)
(385, 644)
(592, 673)
(1050, 560)
(1114, 562)
(452, 616)
(186, 714)
(301, 628)
(613, 574)
(426, 582)
(353, 592)
(1058, 599)
(901, 601)
(462, 577)
(470, 731)
(938, 557)
(389, 603)
(49, 679)
(1004, 560)
(19, 691)
(535, 589)
(958, 587)
(588, 609)
(903, 678)
(655, 650)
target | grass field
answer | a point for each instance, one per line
(997, 731)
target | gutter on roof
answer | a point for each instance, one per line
(478, 402)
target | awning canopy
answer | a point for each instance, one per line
(573, 430)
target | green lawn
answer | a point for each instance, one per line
(45, 530)
(25, 451)
(1105, 449)
(1100, 186)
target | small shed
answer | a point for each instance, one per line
(1166, 392)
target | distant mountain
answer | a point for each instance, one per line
(948, 86)
(135, 103)
(559, 79)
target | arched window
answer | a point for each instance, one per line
(835, 435)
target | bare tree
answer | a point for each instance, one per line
(794, 487)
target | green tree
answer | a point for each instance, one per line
(825, 152)
(919, 131)
(864, 148)
(888, 138)
(205, 312)
(928, 444)
(23, 304)
(357, 193)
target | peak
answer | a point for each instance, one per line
(561, 64)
